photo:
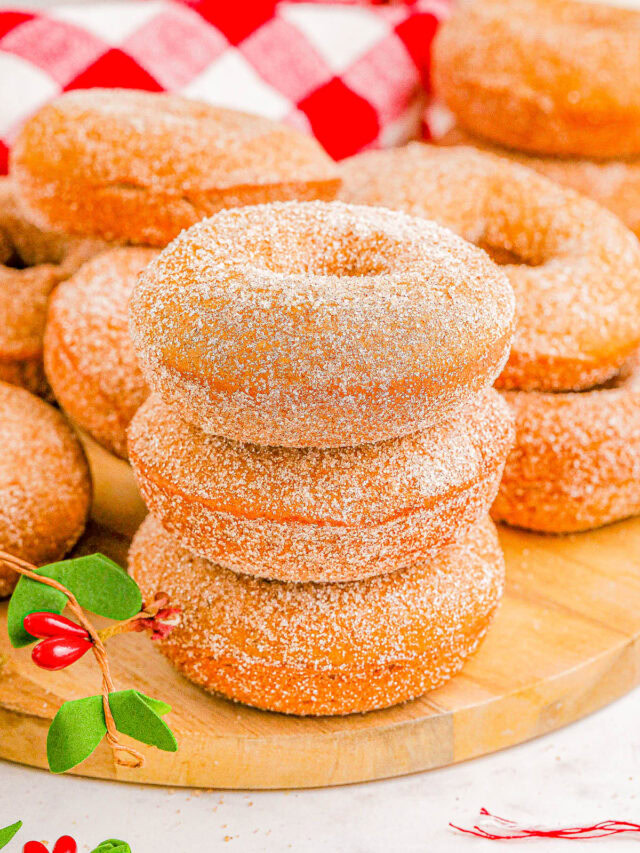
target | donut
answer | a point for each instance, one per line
(319, 324)
(138, 167)
(574, 267)
(32, 262)
(88, 355)
(576, 461)
(614, 184)
(545, 76)
(327, 515)
(316, 649)
(45, 488)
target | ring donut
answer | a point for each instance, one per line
(88, 355)
(576, 461)
(615, 184)
(328, 515)
(138, 167)
(545, 76)
(574, 267)
(323, 648)
(45, 488)
(319, 324)
(32, 262)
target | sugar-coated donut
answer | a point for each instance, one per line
(546, 76)
(138, 167)
(88, 355)
(319, 324)
(334, 514)
(574, 267)
(323, 648)
(576, 461)
(32, 262)
(45, 488)
(614, 184)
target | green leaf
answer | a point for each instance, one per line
(30, 597)
(7, 833)
(155, 704)
(75, 732)
(135, 716)
(112, 845)
(100, 585)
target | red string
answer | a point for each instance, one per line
(511, 831)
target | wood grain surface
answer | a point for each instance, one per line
(564, 643)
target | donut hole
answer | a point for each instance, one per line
(351, 257)
(503, 256)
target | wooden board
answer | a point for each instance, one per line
(565, 642)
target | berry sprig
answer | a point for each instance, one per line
(102, 587)
(65, 844)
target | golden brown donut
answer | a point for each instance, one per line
(32, 262)
(614, 184)
(319, 324)
(546, 76)
(138, 167)
(576, 461)
(323, 648)
(336, 514)
(45, 488)
(574, 267)
(88, 355)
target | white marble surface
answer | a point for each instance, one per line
(586, 772)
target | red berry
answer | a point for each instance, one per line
(59, 652)
(34, 847)
(65, 844)
(45, 625)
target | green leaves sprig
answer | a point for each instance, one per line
(79, 726)
(102, 587)
(7, 833)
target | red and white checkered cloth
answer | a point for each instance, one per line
(355, 76)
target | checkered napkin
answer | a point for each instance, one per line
(355, 76)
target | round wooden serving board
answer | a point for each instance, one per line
(565, 642)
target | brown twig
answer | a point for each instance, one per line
(125, 756)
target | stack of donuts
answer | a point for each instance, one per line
(320, 452)
(573, 377)
(554, 85)
(306, 391)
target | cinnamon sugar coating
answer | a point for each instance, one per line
(323, 648)
(138, 167)
(32, 263)
(333, 514)
(319, 324)
(545, 76)
(88, 354)
(574, 267)
(615, 184)
(576, 461)
(45, 489)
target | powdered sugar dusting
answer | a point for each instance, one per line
(320, 514)
(578, 281)
(139, 167)
(89, 357)
(32, 263)
(319, 323)
(576, 461)
(44, 482)
(314, 648)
